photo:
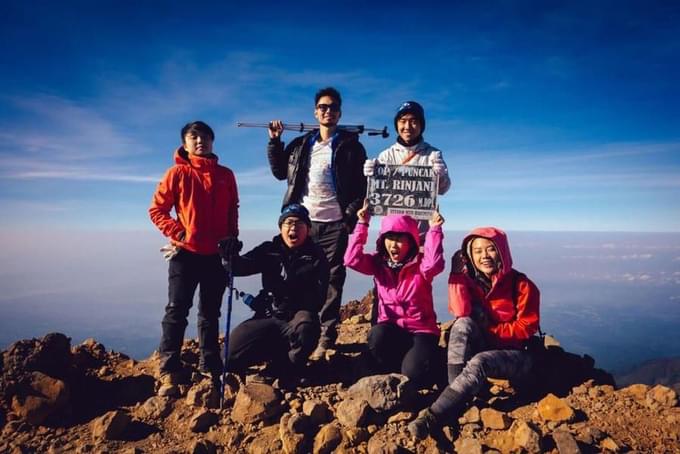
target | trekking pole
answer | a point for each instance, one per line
(302, 127)
(226, 263)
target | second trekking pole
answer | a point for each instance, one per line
(227, 264)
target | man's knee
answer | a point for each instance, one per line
(464, 325)
(305, 326)
(176, 312)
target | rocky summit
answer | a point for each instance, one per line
(55, 397)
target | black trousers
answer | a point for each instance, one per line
(332, 237)
(284, 342)
(394, 349)
(186, 272)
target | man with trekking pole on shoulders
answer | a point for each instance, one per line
(324, 171)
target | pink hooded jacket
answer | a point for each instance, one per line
(512, 304)
(404, 298)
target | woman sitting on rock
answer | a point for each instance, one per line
(406, 335)
(496, 310)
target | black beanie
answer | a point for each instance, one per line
(295, 210)
(414, 108)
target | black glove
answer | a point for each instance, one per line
(229, 247)
(458, 262)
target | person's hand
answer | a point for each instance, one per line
(169, 251)
(437, 163)
(458, 262)
(363, 214)
(275, 129)
(369, 167)
(229, 247)
(436, 218)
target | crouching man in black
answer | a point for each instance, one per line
(285, 328)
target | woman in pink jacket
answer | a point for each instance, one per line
(406, 335)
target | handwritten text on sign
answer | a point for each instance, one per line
(402, 189)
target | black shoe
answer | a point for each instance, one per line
(422, 426)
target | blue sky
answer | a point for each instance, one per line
(551, 115)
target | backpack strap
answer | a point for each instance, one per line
(516, 275)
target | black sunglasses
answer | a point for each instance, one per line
(331, 107)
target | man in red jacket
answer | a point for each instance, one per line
(205, 200)
(497, 311)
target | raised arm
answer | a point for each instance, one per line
(433, 251)
(277, 156)
(355, 257)
(441, 171)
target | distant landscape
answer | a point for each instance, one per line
(614, 296)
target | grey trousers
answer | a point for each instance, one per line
(467, 348)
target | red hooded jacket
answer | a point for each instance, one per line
(205, 199)
(512, 304)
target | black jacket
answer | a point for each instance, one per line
(297, 278)
(292, 163)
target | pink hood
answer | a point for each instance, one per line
(499, 238)
(399, 223)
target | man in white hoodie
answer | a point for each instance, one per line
(411, 149)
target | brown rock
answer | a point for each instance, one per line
(610, 444)
(503, 441)
(47, 396)
(468, 446)
(471, 416)
(50, 355)
(589, 435)
(203, 447)
(292, 442)
(318, 411)
(400, 417)
(380, 445)
(566, 444)
(110, 426)
(203, 420)
(266, 441)
(256, 402)
(356, 435)
(552, 408)
(579, 390)
(661, 396)
(155, 407)
(328, 438)
(494, 419)
(169, 390)
(299, 423)
(353, 413)
(204, 394)
(382, 392)
(638, 391)
(525, 437)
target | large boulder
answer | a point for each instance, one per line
(328, 438)
(50, 355)
(40, 397)
(383, 393)
(256, 402)
(111, 426)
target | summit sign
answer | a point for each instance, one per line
(402, 189)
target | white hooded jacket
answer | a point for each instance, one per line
(398, 154)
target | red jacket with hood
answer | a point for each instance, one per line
(205, 199)
(404, 297)
(512, 304)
